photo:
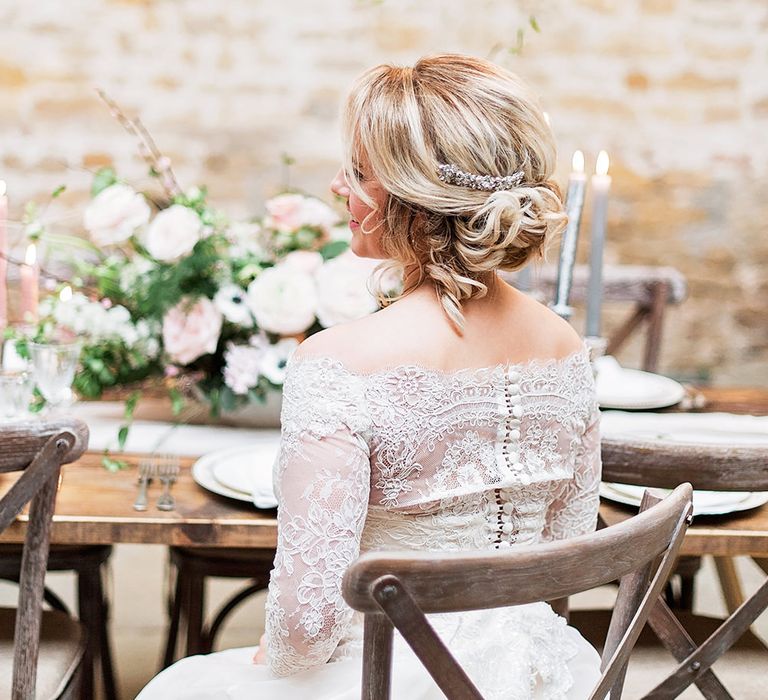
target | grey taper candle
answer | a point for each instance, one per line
(601, 184)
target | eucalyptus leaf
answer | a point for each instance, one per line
(122, 436)
(113, 465)
(333, 249)
(104, 177)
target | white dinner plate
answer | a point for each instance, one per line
(243, 473)
(687, 428)
(632, 389)
(704, 502)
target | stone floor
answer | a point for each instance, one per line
(137, 580)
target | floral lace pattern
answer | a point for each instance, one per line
(416, 458)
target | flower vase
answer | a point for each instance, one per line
(256, 415)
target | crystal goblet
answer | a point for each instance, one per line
(16, 391)
(55, 365)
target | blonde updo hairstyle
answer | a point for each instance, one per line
(403, 122)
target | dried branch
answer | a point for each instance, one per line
(91, 292)
(159, 163)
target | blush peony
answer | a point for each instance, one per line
(191, 330)
(290, 212)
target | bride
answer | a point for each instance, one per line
(461, 416)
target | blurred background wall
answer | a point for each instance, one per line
(675, 90)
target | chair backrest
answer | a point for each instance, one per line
(38, 449)
(397, 589)
(712, 467)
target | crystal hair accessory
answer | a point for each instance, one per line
(453, 175)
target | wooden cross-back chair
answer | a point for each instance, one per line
(37, 450)
(711, 467)
(397, 590)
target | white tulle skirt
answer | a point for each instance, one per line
(523, 653)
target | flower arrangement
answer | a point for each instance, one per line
(171, 289)
(186, 293)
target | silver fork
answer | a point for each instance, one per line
(147, 470)
(168, 471)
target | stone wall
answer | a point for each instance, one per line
(675, 90)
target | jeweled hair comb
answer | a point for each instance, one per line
(453, 175)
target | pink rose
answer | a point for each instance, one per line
(290, 212)
(190, 331)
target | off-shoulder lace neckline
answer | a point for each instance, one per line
(531, 365)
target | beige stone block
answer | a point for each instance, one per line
(166, 82)
(636, 81)
(737, 51)
(603, 6)
(596, 105)
(722, 114)
(690, 80)
(760, 108)
(12, 76)
(658, 7)
(75, 107)
(97, 160)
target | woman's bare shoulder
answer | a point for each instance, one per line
(358, 345)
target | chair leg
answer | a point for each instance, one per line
(193, 604)
(94, 614)
(173, 626)
(105, 649)
(730, 583)
(88, 612)
(209, 633)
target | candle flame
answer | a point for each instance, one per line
(546, 118)
(3, 188)
(578, 162)
(601, 167)
(31, 257)
(65, 294)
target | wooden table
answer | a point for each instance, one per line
(95, 506)
(743, 533)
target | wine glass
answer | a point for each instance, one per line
(16, 391)
(55, 365)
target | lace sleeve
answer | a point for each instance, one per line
(322, 481)
(574, 509)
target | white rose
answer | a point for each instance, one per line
(114, 214)
(283, 300)
(343, 290)
(246, 239)
(173, 233)
(308, 261)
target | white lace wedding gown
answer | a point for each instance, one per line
(416, 458)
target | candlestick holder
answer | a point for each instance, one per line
(596, 346)
(564, 311)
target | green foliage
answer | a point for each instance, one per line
(104, 177)
(123, 347)
(333, 249)
(111, 464)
